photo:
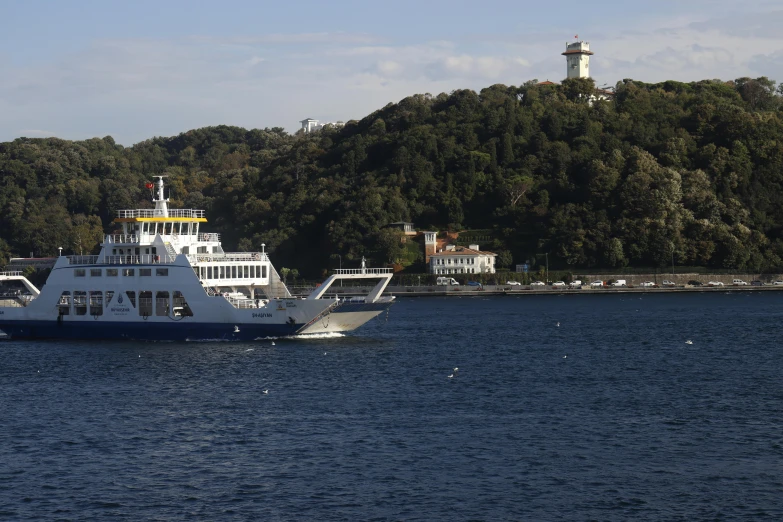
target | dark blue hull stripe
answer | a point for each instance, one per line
(176, 331)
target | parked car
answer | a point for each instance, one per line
(597, 284)
(558, 284)
(756, 282)
(619, 282)
(647, 284)
(446, 281)
(694, 282)
(717, 283)
(514, 283)
(739, 282)
(575, 284)
(778, 283)
(475, 283)
(668, 284)
(537, 283)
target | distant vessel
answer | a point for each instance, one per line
(162, 279)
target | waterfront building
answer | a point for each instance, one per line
(462, 260)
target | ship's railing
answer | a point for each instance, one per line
(122, 238)
(187, 213)
(143, 259)
(353, 271)
(11, 274)
(243, 303)
(82, 260)
(209, 236)
(230, 256)
(18, 301)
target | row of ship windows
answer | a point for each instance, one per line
(126, 272)
(230, 272)
(162, 303)
(204, 272)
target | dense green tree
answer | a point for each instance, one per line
(693, 170)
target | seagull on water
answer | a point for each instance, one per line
(266, 392)
(456, 370)
(565, 357)
(273, 343)
(558, 323)
(451, 376)
(324, 353)
(688, 342)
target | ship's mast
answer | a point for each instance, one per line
(161, 208)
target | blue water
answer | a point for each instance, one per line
(609, 416)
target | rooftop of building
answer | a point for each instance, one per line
(463, 251)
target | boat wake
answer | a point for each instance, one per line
(325, 335)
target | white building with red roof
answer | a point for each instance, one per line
(462, 260)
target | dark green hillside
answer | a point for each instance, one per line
(690, 169)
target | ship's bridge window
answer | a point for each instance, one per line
(131, 297)
(145, 272)
(111, 272)
(128, 272)
(78, 272)
(161, 271)
(209, 272)
(263, 270)
(247, 272)
(233, 272)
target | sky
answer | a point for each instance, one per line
(138, 69)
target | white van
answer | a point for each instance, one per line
(619, 282)
(739, 282)
(446, 281)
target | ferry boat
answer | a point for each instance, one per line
(163, 279)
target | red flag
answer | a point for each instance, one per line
(576, 37)
(150, 185)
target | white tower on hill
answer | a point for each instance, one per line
(578, 59)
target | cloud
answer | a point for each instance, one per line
(744, 25)
(389, 68)
(467, 66)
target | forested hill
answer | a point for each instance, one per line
(692, 171)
